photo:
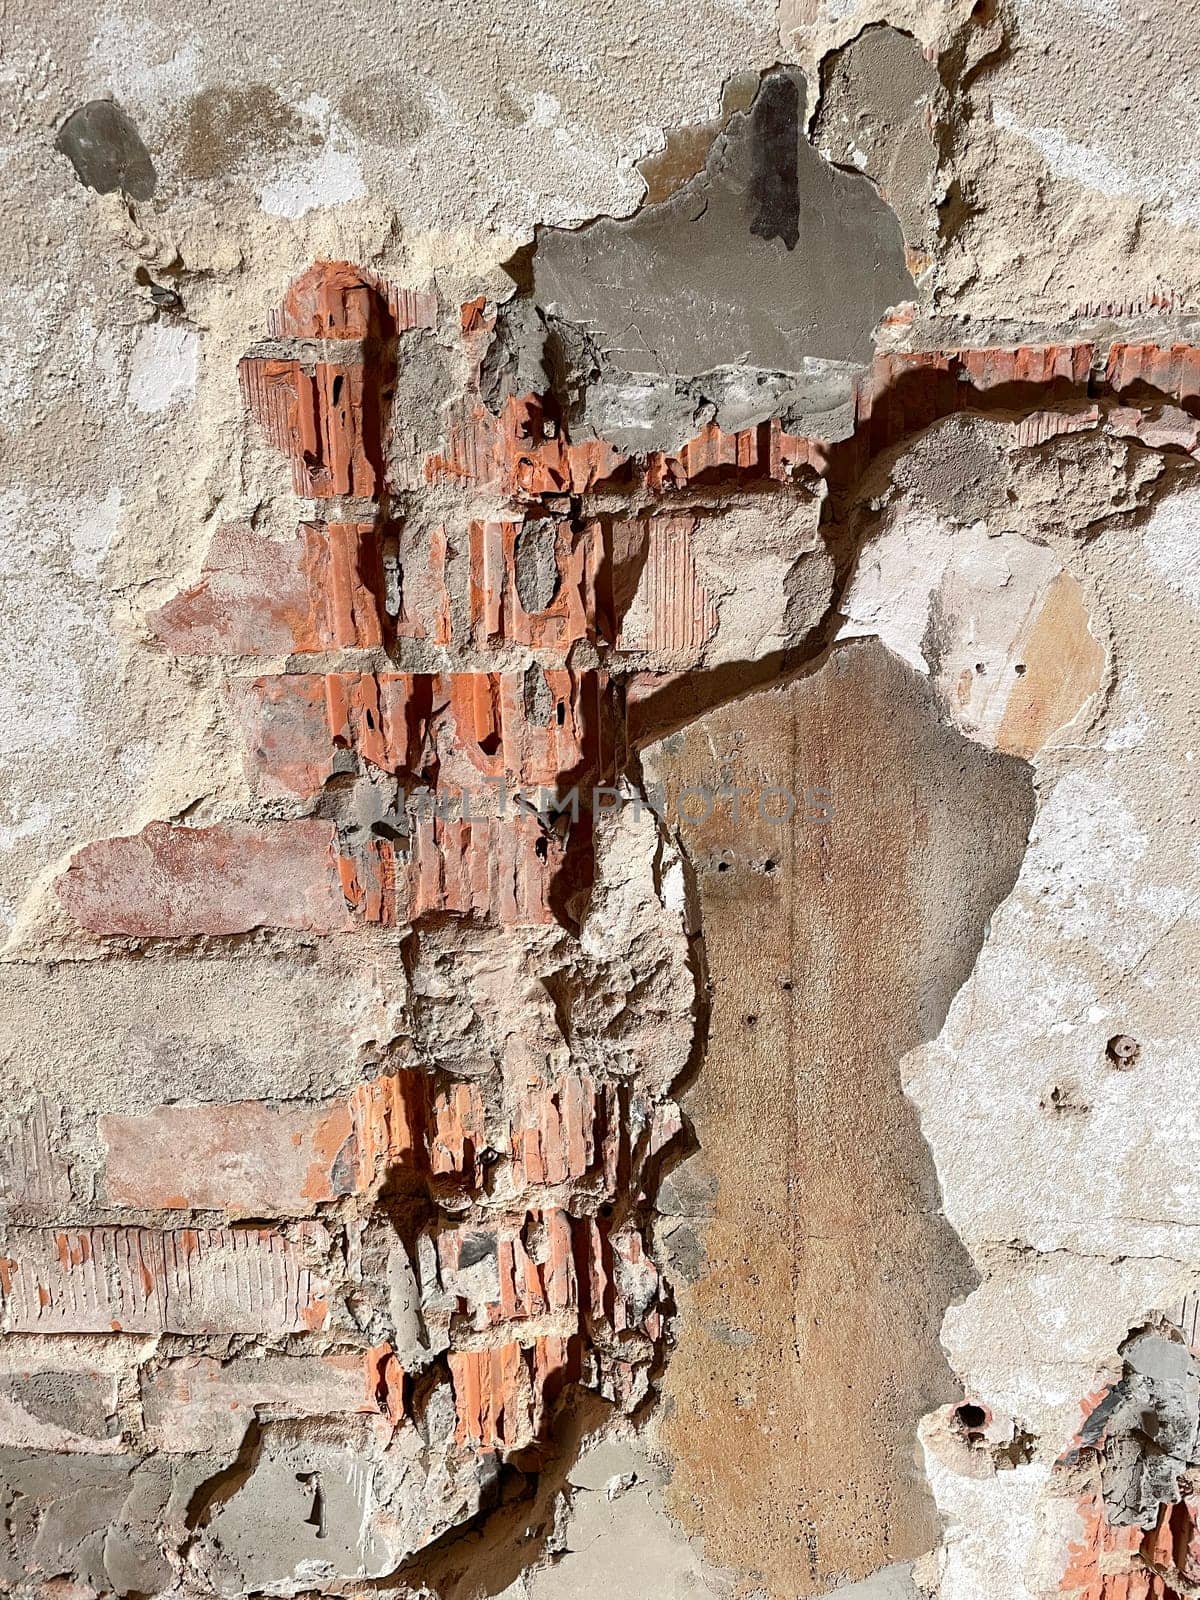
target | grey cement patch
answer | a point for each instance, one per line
(302, 1512)
(619, 1539)
(875, 97)
(106, 150)
(72, 1400)
(536, 569)
(959, 468)
(766, 258)
(1146, 1429)
(102, 1518)
(893, 1583)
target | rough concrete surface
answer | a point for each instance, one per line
(597, 870)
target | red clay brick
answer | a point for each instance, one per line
(326, 420)
(563, 1130)
(256, 596)
(520, 453)
(676, 615)
(251, 1159)
(492, 1394)
(245, 1158)
(169, 882)
(296, 724)
(140, 1280)
(199, 1404)
(338, 300)
(497, 614)
(535, 1266)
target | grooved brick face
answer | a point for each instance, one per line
(141, 1280)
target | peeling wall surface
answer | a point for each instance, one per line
(598, 873)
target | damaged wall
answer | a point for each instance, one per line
(756, 1163)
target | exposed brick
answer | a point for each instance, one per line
(200, 1405)
(368, 878)
(246, 1158)
(169, 882)
(497, 614)
(557, 1361)
(534, 1267)
(346, 584)
(1106, 1563)
(338, 300)
(493, 1398)
(1173, 371)
(457, 1133)
(285, 723)
(521, 453)
(251, 1159)
(562, 1131)
(386, 1383)
(672, 613)
(33, 1168)
(500, 870)
(299, 727)
(472, 315)
(321, 590)
(139, 1280)
(325, 416)
(541, 728)
(252, 598)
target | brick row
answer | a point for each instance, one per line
(141, 1280)
(199, 1404)
(248, 1158)
(454, 729)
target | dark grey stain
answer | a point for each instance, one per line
(775, 155)
(106, 150)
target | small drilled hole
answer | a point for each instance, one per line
(971, 1417)
(1122, 1051)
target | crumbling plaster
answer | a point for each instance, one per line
(1011, 594)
